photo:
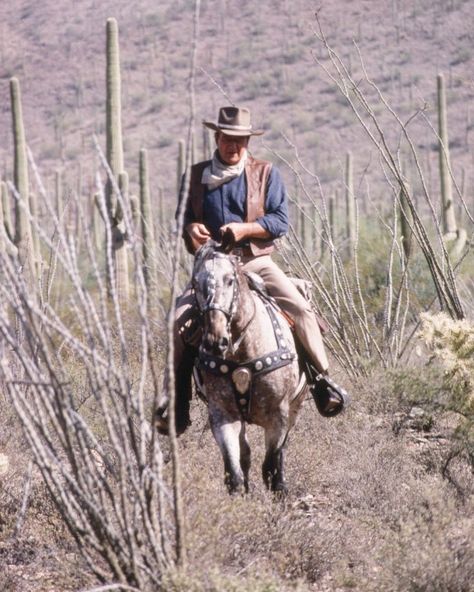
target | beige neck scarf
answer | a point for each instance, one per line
(218, 173)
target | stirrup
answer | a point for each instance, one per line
(330, 398)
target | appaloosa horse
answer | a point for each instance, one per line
(247, 367)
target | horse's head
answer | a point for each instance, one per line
(216, 285)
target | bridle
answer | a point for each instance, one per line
(205, 305)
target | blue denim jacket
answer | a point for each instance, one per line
(227, 203)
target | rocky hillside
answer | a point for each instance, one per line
(262, 55)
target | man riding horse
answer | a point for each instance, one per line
(243, 199)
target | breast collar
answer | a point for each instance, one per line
(257, 366)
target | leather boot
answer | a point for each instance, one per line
(329, 397)
(183, 386)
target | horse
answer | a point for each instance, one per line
(246, 368)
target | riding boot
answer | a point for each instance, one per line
(329, 397)
(183, 394)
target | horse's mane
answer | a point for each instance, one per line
(208, 250)
(203, 254)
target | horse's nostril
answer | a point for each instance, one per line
(223, 344)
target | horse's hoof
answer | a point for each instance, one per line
(280, 491)
(237, 490)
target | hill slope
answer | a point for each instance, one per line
(262, 55)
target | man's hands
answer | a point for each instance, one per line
(198, 234)
(242, 230)
(236, 229)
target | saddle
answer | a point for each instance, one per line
(190, 328)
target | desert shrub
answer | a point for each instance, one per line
(452, 345)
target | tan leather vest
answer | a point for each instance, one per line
(256, 173)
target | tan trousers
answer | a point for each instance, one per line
(291, 301)
(287, 296)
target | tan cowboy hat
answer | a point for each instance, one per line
(233, 121)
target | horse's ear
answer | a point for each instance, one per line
(228, 241)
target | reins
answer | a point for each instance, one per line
(237, 344)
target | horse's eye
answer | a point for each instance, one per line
(229, 280)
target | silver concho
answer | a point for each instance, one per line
(241, 378)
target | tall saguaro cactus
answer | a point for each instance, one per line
(6, 244)
(449, 226)
(7, 221)
(120, 246)
(448, 215)
(350, 203)
(23, 233)
(114, 149)
(114, 154)
(208, 143)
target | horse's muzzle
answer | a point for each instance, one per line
(216, 338)
(218, 346)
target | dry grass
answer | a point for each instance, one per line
(368, 508)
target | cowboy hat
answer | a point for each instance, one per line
(233, 121)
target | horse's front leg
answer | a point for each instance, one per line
(245, 456)
(273, 470)
(227, 435)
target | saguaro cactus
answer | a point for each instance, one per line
(6, 244)
(448, 216)
(148, 234)
(23, 233)
(350, 203)
(332, 215)
(120, 248)
(114, 149)
(114, 154)
(7, 219)
(208, 143)
(449, 226)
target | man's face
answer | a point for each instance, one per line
(231, 148)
